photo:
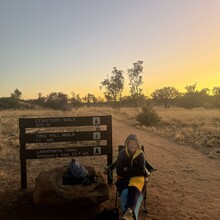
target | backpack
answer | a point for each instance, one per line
(77, 174)
(77, 170)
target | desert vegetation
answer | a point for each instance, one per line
(198, 128)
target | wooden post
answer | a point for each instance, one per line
(0, 126)
(109, 144)
(22, 158)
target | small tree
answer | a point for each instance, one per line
(216, 97)
(90, 98)
(148, 117)
(57, 100)
(75, 100)
(191, 88)
(216, 90)
(14, 100)
(17, 94)
(40, 100)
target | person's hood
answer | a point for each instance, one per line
(133, 137)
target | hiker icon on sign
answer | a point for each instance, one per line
(96, 135)
(97, 150)
(96, 120)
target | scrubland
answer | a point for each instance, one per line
(199, 128)
(195, 175)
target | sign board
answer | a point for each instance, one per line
(46, 137)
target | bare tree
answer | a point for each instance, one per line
(136, 79)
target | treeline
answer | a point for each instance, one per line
(166, 96)
(113, 86)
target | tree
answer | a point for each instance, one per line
(216, 90)
(216, 97)
(17, 94)
(165, 96)
(191, 88)
(194, 98)
(136, 79)
(113, 86)
(90, 98)
(9, 103)
(40, 100)
(75, 100)
(205, 91)
(57, 100)
(148, 116)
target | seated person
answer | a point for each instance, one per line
(131, 173)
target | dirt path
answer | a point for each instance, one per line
(186, 184)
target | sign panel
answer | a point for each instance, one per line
(63, 121)
(63, 136)
(64, 152)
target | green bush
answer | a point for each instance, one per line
(148, 117)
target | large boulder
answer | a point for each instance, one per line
(50, 191)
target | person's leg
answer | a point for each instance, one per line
(136, 210)
(128, 213)
(124, 198)
(130, 202)
(133, 196)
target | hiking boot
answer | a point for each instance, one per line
(127, 215)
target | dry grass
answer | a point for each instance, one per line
(199, 128)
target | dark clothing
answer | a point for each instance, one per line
(135, 166)
(133, 196)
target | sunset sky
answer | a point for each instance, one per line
(72, 45)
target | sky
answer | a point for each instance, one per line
(72, 45)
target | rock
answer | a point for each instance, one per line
(49, 190)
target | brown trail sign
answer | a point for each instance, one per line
(99, 128)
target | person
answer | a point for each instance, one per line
(131, 173)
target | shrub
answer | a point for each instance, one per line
(148, 117)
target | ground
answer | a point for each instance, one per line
(185, 185)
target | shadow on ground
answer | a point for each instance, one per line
(15, 205)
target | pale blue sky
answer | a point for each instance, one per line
(70, 46)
